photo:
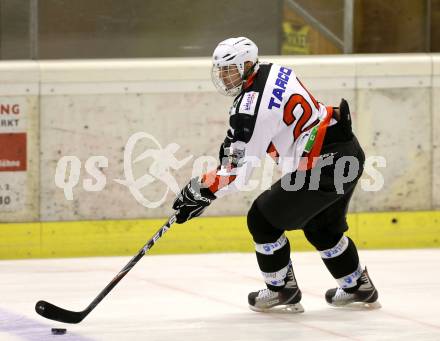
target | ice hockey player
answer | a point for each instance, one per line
(274, 113)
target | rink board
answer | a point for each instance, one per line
(211, 234)
(87, 108)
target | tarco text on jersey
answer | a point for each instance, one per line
(280, 87)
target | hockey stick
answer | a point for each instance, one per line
(53, 312)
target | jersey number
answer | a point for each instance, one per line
(289, 117)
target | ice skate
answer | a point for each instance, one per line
(284, 301)
(364, 297)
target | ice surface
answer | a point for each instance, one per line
(204, 297)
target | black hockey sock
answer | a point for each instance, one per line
(274, 261)
(342, 261)
(272, 249)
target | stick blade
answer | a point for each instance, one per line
(55, 313)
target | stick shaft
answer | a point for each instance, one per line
(129, 265)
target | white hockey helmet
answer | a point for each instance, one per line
(228, 71)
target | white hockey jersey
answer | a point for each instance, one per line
(274, 114)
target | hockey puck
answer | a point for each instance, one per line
(59, 331)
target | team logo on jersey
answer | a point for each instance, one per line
(248, 103)
(280, 88)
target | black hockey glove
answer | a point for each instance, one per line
(340, 132)
(192, 201)
(345, 120)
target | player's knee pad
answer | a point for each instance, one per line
(322, 239)
(261, 230)
(338, 225)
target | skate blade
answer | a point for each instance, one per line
(359, 306)
(281, 309)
